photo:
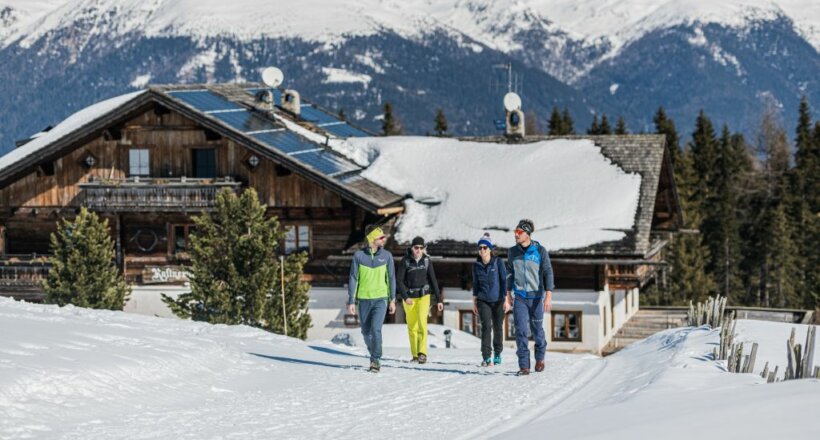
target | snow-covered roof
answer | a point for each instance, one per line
(233, 111)
(576, 195)
(67, 126)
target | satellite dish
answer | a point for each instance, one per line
(512, 102)
(272, 77)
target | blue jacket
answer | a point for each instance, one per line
(489, 280)
(529, 273)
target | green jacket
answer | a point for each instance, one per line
(372, 276)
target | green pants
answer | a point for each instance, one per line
(416, 315)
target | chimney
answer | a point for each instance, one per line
(291, 101)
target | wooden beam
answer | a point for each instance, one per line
(389, 211)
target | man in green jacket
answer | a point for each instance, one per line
(372, 286)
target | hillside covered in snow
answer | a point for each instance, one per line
(74, 373)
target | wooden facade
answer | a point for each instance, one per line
(149, 209)
(152, 164)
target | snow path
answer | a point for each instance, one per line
(74, 373)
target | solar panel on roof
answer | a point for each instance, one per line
(285, 141)
(204, 100)
(344, 130)
(246, 121)
(327, 162)
(313, 114)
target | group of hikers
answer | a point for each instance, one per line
(523, 284)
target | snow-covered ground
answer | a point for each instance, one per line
(83, 374)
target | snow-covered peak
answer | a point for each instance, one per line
(621, 21)
(493, 23)
(16, 14)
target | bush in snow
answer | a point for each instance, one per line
(83, 272)
(235, 273)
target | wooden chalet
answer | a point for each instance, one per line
(150, 160)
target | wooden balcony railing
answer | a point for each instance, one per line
(17, 273)
(153, 194)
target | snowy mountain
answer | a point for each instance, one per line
(74, 373)
(619, 57)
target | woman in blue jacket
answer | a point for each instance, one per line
(489, 292)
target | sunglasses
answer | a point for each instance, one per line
(418, 248)
(519, 231)
(382, 237)
(482, 248)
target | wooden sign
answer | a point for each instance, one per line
(165, 274)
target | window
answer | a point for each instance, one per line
(297, 239)
(180, 234)
(566, 326)
(204, 162)
(467, 321)
(509, 329)
(139, 162)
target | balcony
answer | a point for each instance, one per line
(21, 276)
(155, 194)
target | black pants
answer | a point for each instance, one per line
(492, 317)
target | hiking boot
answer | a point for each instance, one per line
(523, 372)
(375, 366)
(539, 366)
(497, 359)
(422, 358)
(487, 362)
(415, 360)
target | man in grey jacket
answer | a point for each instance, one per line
(530, 279)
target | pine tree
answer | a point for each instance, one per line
(721, 223)
(83, 272)
(605, 127)
(687, 254)
(620, 126)
(441, 123)
(666, 126)
(777, 273)
(704, 150)
(531, 126)
(391, 126)
(567, 124)
(235, 271)
(805, 190)
(595, 128)
(555, 124)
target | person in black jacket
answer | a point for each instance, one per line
(416, 281)
(489, 292)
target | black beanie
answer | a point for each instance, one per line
(526, 226)
(418, 241)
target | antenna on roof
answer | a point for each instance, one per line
(512, 125)
(272, 77)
